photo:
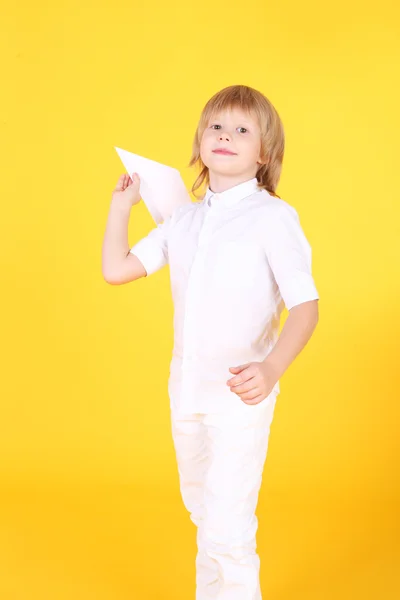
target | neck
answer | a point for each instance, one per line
(220, 183)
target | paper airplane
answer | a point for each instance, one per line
(161, 187)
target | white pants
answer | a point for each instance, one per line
(220, 461)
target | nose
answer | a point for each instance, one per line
(223, 136)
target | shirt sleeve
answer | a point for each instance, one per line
(152, 250)
(289, 256)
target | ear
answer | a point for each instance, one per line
(264, 161)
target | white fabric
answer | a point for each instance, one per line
(236, 258)
(220, 461)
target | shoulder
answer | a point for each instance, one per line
(182, 210)
(279, 223)
(274, 209)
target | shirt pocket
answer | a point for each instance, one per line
(237, 264)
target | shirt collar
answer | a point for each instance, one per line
(231, 196)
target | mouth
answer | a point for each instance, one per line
(227, 152)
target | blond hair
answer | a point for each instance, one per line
(272, 134)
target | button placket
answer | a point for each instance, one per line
(205, 233)
(193, 294)
(189, 350)
(187, 331)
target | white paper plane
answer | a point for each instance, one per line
(161, 187)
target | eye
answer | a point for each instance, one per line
(216, 125)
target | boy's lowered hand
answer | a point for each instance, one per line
(253, 381)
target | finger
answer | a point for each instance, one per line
(254, 391)
(255, 400)
(241, 377)
(244, 376)
(239, 367)
(245, 386)
(120, 183)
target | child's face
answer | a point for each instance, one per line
(238, 132)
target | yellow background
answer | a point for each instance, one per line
(89, 501)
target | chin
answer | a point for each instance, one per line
(223, 171)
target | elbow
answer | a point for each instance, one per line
(111, 278)
(111, 271)
(110, 281)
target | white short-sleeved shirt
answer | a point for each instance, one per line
(236, 259)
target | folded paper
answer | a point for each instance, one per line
(161, 187)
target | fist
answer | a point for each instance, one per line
(253, 381)
(127, 190)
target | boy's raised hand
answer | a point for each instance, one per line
(253, 381)
(127, 190)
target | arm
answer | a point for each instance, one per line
(296, 332)
(289, 254)
(118, 264)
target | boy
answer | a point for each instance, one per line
(236, 257)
